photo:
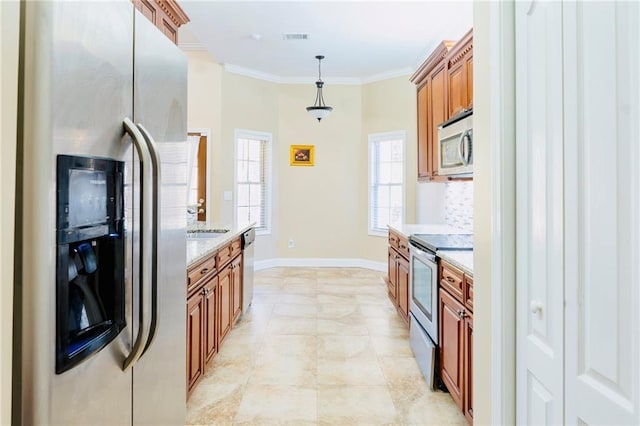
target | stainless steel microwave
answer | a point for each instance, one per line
(455, 145)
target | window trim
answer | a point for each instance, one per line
(374, 138)
(268, 157)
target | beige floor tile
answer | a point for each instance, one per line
(292, 326)
(335, 332)
(331, 346)
(284, 370)
(342, 327)
(352, 405)
(295, 310)
(215, 403)
(280, 404)
(338, 299)
(391, 346)
(289, 345)
(363, 370)
(338, 311)
(387, 327)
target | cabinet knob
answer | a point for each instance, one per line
(536, 307)
(204, 271)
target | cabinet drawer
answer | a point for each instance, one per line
(403, 247)
(394, 240)
(198, 273)
(236, 247)
(451, 279)
(224, 255)
(468, 292)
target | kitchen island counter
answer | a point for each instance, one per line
(198, 248)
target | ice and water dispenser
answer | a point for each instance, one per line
(90, 270)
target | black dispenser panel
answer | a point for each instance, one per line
(90, 257)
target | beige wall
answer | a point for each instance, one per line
(9, 21)
(390, 105)
(322, 208)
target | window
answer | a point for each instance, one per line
(386, 181)
(253, 183)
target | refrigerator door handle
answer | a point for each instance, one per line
(146, 243)
(155, 160)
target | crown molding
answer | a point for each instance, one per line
(249, 72)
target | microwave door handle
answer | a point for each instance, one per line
(155, 161)
(461, 146)
(146, 175)
(466, 147)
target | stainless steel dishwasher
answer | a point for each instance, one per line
(247, 270)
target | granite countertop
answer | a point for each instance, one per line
(462, 259)
(412, 228)
(200, 247)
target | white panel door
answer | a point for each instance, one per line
(539, 213)
(602, 192)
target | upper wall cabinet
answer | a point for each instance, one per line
(460, 75)
(445, 87)
(167, 15)
(432, 108)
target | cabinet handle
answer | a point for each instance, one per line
(203, 292)
(449, 279)
(204, 271)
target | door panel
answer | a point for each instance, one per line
(539, 212)
(438, 113)
(210, 316)
(451, 345)
(195, 312)
(160, 105)
(602, 199)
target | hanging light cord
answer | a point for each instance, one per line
(319, 98)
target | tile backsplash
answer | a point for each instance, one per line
(458, 205)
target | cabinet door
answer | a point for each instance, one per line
(403, 287)
(224, 303)
(424, 156)
(438, 109)
(210, 318)
(195, 335)
(468, 368)
(469, 72)
(236, 285)
(148, 8)
(457, 88)
(392, 279)
(451, 345)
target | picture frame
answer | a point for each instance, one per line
(302, 155)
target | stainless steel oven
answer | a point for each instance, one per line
(423, 306)
(423, 276)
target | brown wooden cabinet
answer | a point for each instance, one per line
(398, 274)
(460, 72)
(214, 304)
(444, 88)
(210, 293)
(456, 335)
(195, 341)
(432, 108)
(166, 15)
(224, 303)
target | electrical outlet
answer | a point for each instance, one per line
(292, 243)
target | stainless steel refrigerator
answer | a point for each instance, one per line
(100, 283)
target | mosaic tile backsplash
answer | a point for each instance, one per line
(458, 205)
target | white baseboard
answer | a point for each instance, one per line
(320, 263)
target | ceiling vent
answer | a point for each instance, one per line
(295, 36)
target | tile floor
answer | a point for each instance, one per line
(318, 346)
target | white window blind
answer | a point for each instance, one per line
(386, 181)
(253, 188)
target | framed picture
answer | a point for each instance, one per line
(301, 155)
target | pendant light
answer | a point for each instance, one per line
(319, 110)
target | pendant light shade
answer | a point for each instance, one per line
(319, 110)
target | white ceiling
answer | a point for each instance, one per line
(361, 40)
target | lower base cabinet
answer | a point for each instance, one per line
(455, 352)
(213, 307)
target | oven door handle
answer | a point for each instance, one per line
(422, 253)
